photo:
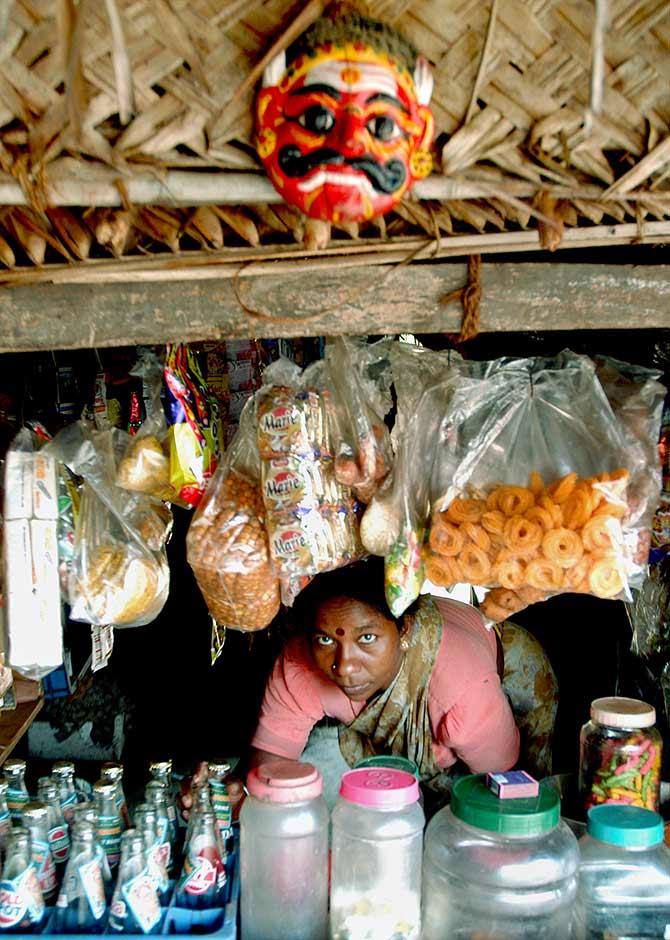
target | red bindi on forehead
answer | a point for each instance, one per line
(339, 631)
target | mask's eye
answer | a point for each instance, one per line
(317, 119)
(383, 127)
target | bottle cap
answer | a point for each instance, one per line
(104, 788)
(473, 803)
(63, 768)
(160, 767)
(379, 787)
(620, 712)
(34, 810)
(110, 771)
(15, 765)
(218, 768)
(285, 781)
(627, 826)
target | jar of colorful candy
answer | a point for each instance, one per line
(620, 754)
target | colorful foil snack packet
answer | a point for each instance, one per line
(194, 431)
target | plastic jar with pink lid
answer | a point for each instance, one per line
(284, 854)
(377, 842)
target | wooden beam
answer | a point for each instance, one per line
(366, 299)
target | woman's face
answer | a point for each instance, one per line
(356, 646)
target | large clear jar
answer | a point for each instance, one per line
(498, 868)
(620, 755)
(624, 875)
(376, 857)
(284, 854)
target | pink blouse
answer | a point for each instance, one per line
(469, 714)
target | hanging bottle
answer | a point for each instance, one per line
(135, 905)
(223, 810)
(81, 901)
(161, 770)
(203, 878)
(86, 813)
(112, 772)
(155, 794)
(17, 792)
(63, 772)
(58, 829)
(36, 820)
(21, 902)
(108, 825)
(5, 818)
(155, 852)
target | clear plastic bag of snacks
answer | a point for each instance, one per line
(311, 518)
(531, 483)
(115, 577)
(227, 543)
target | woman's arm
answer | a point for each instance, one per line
(480, 728)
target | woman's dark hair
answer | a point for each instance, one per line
(362, 581)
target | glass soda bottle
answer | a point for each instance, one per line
(5, 818)
(63, 772)
(58, 829)
(135, 906)
(111, 772)
(81, 901)
(217, 772)
(21, 902)
(203, 878)
(17, 792)
(161, 770)
(36, 820)
(156, 795)
(86, 813)
(155, 852)
(108, 824)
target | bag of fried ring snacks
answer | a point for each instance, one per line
(533, 486)
(227, 544)
(119, 574)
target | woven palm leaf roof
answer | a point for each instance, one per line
(542, 121)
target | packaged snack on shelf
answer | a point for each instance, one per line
(532, 483)
(116, 577)
(227, 544)
(311, 518)
(32, 586)
(194, 430)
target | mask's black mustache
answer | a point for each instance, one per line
(386, 178)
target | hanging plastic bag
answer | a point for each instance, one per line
(531, 483)
(360, 375)
(30, 531)
(194, 437)
(145, 464)
(116, 578)
(227, 544)
(312, 520)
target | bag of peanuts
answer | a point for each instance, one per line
(227, 543)
(535, 484)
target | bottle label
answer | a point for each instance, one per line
(44, 863)
(16, 800)
(59, 843)
(140, 896)
(109, 834)
(222, 805)
(21, 902)
(67, 805)
(203, 868)
(90, 876)
(157, 861)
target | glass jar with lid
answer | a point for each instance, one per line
(620, 754)
(499, 867)
(376, 856)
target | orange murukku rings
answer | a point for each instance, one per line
(535, 483)
(493, 521)
(605, 578)
(514, 500)
(509, 572)
(522, 536)
(445, 538)
(563, 547)
(474, 564)
(542, 516)
(578, 574)
(465, 510)
(561, 489)
(478, 535)
(577, 508)
(441, 571)
(596, 534)
(546, 502)
(545, 575)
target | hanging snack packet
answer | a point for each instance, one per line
(227, 544)
(194, 433)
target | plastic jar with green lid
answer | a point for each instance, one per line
(498, 867)
(620, 755)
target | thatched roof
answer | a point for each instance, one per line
(542, 121)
